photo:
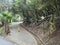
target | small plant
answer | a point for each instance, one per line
(1, 30)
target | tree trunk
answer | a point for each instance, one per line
(7, 27)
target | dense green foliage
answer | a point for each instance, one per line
(32, 10)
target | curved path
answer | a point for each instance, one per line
(20, 36)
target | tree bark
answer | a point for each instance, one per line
(7, 26)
